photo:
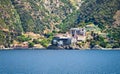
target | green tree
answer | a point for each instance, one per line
(22, 38)
(36, 41)
(31, 44)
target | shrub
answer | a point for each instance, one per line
(22, 38)
(31, 44)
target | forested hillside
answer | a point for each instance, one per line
(103, 13)
(99, 12)
(21, 16)
(34, 15)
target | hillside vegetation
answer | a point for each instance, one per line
(42, 16)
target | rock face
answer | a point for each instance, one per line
(117, 18)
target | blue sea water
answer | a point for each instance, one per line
(59, 62)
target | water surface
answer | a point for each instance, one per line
(59, 62)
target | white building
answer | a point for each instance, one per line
(78, 33)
